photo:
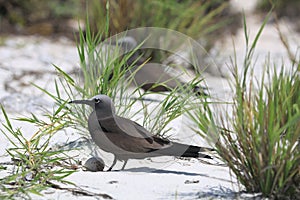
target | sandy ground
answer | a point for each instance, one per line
(29, 59)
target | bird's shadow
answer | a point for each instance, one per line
(161, 171)
(164, 171)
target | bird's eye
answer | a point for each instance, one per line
(97, 100)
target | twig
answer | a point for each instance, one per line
(79, 191)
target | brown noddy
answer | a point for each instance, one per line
(127, 139)
(151, 76)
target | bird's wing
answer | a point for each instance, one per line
(128, 131)
(135, 130)
(130, 128)
(122, 126)
(128, 144)
(155, 138)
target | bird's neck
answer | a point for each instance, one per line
(96, 123)
(104, 116)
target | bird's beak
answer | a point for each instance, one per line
(87, 102)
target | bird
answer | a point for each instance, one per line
(151, 76)
(127, 139)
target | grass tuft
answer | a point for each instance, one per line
(259, 139)
(35, 164)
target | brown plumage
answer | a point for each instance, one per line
(128, 140)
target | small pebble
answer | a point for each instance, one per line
(94, 164)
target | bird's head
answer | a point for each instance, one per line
(101, 103)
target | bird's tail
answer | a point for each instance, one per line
(182, 150)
